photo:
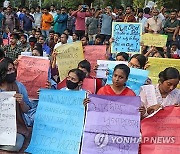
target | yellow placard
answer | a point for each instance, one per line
(68, 57)
(156, 65)
(154, 40)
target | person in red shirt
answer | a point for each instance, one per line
(80, 14)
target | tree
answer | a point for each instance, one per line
(23, 2)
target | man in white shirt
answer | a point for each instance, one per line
(141, 19)
(52, 11)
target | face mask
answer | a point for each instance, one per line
(10, 78)
(71, 85)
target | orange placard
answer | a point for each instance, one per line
(33, 73)
(93, 53)
(160, 133)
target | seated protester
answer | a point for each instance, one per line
(75, 37)
(13, 50)
(157, 52)
(33, 33)
(163, 94)
(75, 79)
(97, 41)
(139, 61)
(32, 42)
(174, 51)
(67, 31)
(118, 88)
(24, 44)
(8, 82)
(85, 66)
(50, 40)
(57, 37)
(85, 40)
(122, 56)
(45, 47)
(63, 40)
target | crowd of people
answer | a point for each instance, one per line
(39, 32)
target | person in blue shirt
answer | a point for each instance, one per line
(45, 47)
(8, 82)
(61, 21)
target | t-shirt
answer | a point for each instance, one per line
(46, 17)
(106, 24)
(27, 23)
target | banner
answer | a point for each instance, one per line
(127, 37)
(33, 73)
(156, 65)
(156, 40)
(103, 67)
(7, 118)
(160, 133)
(88, 85)
(136, 79)
(112, 125)
(58, 122)
(93, 53)
(69, 55)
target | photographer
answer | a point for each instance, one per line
(81, 14)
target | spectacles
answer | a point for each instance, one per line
(133, 65)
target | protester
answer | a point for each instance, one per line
(8, 83)
(163, 94)
(37, 17)
(129, 17)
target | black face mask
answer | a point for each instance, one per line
(71, 85)
(10, 78)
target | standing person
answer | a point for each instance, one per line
(163, 94)
(129, 17)
(92, 26)
(61, 21)
(106, 26)
(27, 22)
(53, 11)
(13, 50)
(37, 17)
(170, 26)
(32, 11)
(80, 15)
(71, 21)
(154, 24)
(9, 19)
(141, 19)
(46, 22)
(120, 14)
(147, 11)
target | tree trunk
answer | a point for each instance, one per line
(23, 2)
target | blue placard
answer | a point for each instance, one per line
(58, 122)
(127, 37)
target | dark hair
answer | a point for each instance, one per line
(121, 7)
(80, 74)
(129, 7)
(15, 36)
(39, 49)
(44, 38)
(169, 73)
(98, 36)
(87, 38)
(51, 31)
(4, 68)
(124, 55)
(141, 59)
(123, 67)
(38, 45)
(147, 10)
(63, 7)
(140, 10)
(65, 35)
(24, 36)
(173, 10)
(38, 7)
(160, 52)
(33, 39)
(58, 34)
(85, 64)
